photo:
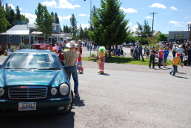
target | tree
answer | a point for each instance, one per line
(144, 30)
(73, 23)
(66, 29)
(10, 15)
(18, 14)
(43, 20)
(53, 17)
(56, 19)
(3, 21)
(162, 37)
(109, 26)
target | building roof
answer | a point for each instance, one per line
(19, 30)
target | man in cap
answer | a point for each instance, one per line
(70, 58)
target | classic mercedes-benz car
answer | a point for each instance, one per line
(34, 80)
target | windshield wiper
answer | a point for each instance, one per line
(49, 69)
(14, 68)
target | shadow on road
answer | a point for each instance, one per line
(78, 102)
(181, 72)
(104, 74)
(182, 77)
(38, 121)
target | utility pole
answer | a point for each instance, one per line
(189, 30)
(90, 10)
(90, 17)
(153, 20)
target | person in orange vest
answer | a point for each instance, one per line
(175, 62)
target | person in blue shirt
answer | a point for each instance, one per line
(166, 53)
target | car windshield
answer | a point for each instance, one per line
(32, 61)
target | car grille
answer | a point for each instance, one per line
(27, 92)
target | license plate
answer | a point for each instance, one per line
(27, 106)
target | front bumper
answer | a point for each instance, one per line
(41, 105)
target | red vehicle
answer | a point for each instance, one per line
(41, 46)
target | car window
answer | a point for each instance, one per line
(31, 60)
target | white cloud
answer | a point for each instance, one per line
(173, 8)
(62, 18)
(174, 22)
(189, 22)
(67, 4)
(60, 4)
(83, 15)
(31, 17)
(12, 6)
(129, 10)
(133, 27)
(148, 17)
(50, 3)
(158, 5)
(84, 25)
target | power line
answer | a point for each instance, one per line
(153, 20)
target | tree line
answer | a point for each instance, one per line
(108, 25)
(10, 17)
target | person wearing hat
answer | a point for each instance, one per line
(70, 57)
(175, 62)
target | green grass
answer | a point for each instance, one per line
(122, 60)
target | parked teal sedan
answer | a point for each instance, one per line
(34, 80)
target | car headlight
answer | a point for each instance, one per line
(64, 89)
(2, 91)
(54, 91)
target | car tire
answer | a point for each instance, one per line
(69, 107)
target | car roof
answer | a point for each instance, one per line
(34, 51)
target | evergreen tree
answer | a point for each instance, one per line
(81, 33)
(43, 20)
(109, 26)
(57, 19)
(10, 15)
(144, 30)
(73, 23)
(3, 21)
(18, 14)
(53, 17)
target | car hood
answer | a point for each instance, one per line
(11, 77)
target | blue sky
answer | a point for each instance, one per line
(171, 14)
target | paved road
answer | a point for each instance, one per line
(128, 96)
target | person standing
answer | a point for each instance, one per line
(174, 50)
(140, 52)
(161, 56)
(189, 56)
(101, 59)
(166, 53)
(175, 62)
(70, 58)
(79, 59)
(152, 58)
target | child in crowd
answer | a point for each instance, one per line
(175, 62)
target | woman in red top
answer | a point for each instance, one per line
(161, 57)
(79, 60)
